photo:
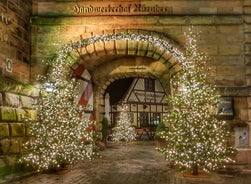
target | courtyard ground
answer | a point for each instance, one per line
(128, 163)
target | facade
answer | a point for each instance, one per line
(146, 102)
(31, 31)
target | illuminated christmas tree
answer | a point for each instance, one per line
(196, 138)
(59, 134)
(123, 131)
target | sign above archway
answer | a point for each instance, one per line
(121, 8)
(134, 7)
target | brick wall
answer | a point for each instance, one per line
(224, 27)
(225, 37)
(221, 24)
(16, 102)
(15, 39)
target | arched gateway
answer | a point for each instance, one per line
(100, 60)
(29, 29)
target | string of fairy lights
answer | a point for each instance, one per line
(123, 131)
(196, 138)
(60, 135)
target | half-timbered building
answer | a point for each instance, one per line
(146, 101)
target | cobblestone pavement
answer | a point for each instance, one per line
(127, 163)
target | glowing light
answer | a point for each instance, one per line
(195, 136)
(123, 130)
(58, 134)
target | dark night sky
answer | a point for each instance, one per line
(118, 88)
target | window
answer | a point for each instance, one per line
(143, 119)
(155, 120)
(149, 85)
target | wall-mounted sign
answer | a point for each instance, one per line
(130, 7)
(225, 108)
(122, 8)
(87, 8)
(5, 18)
(241, 137)
(9, 65)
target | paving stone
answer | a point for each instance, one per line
(132, 163)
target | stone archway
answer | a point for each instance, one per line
(126, 53)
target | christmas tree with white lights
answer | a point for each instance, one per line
(196, 139)
(59, 134)
(123, 131)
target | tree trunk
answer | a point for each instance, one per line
(195, 169)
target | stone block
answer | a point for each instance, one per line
(14, 146)
(17, 129)
(175, 69)
(110, 47)
(209, 49)
(224, 80)
(247, 60)
(231, 70)
(1, 99)
(240, 81)
(229, 50)
(90, 49)
(248, 82)
(242, 114)
(4, 129)
(172, 20)
(247, 10)
(121, 46)
(12, 100)
(142, 48)
(2, 163)
(241, 157)
(158, 53)
(26, 102)
(21, 114)
(165, 59)
(240, 102)
(247, 2)
(202, 20)
(27, 130)
(5, 146)
(99, 48)
(247, 48)
(229, 29)
(31, 114)
(249, 102)
(247, 37)
(249, 114)
(226, 20)
(151, 50)
(212, 39)
(247, 27)
(208, 10)
(7, 114)
(132, 47)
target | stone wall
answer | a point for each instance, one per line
(224, 28)
(15, 96)
(15, 39)
(16, 103)
(225, 35)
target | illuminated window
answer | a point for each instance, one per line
(155, 119)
